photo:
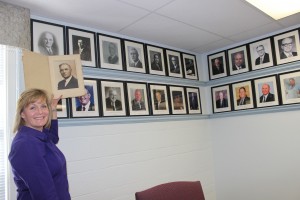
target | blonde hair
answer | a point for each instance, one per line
(27, 97)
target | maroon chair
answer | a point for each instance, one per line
(181, 190)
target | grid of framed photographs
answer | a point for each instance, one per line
(105, 51)
(268, 52)
(111, 98)
(267, 91)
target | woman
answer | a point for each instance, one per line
(39, 167)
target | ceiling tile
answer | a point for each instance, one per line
(149, 5)
(212, 46)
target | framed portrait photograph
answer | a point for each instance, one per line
(190, 66)
(193, 100)
(221, 99)
(174, 63)
(82, 42)
(110, 52)
(159, 99)
(137, 94)
(63, 108)
(156, 60)
(178, 103)
(217, 65)
(66, 76)
(261, 54)
(290, 87)
(113, 99)
(266, 91)
(242, 95)
(47, 38)
(238, 60)
(287, 47)
(134, 56)
(87, 105)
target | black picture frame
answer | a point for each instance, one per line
(116, 89)
(217, 65)
(193, 100)
(221, 99)
(239, 56)
(155, 53)
(137, 99)
(261, 54)
(243, 89)
(110, 52)
(174, 63)
(178, 100)
(190, 68)
(158, 91)
(82, 42)
(290, 87)
(63, 108)
(266, 91)
(44, 35)
(292, 44)
(87, 105)
(134, 53)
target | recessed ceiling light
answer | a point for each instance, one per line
(277, 9)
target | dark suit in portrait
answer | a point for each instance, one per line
(244, 101)
(90, 108)
(160, 105)
(137, 64)
(193, 103)
(156, 66)
(270, 97)
(43, 50)
(190, 67)
(113, 59)
(138, 105)
(113, 106)
(283, 56)
(218, 70)
(265, 59)
(222, 104)
(175, 68)
(234, 67)
(73, 83)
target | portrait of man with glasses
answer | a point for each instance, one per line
(287, 48)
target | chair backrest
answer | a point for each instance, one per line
(181, 190)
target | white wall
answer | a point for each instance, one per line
(110, 162)
(256, 157)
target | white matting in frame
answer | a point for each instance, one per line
(238, 56)
(174, 63)
(190, 66)
(290, 87)
(178, 103)
(288, 42)
(110, 52)
(194, 102)
(156, 61)
(261, 54)
(52, 34)
(82, 43)
(113, 100)
(135, 58)
(217, 65)
(87, 104)
(266, 92)
(159, 100)
(221, 99)
(62, 110)
(242, 95)
(137, 99)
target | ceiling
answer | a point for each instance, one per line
(198, 26)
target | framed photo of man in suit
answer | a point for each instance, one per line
(47, 38)
(178, 100)
(87, 105)
(243, 95)
(137, 94)
(174, 63)
(82, 42)
(261, 54)
(134, 56)
(221, 99)
(217, 65)
(290, 87)
(190, 66)
(287, 47)
(156, 60)
(266, 91)
(193, 100)
(238, 60)
(159, 99)
(113, 98)
(110, 52)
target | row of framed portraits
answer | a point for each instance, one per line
(109, 52)
(273, 90)
(108, 98)
(268, 52)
